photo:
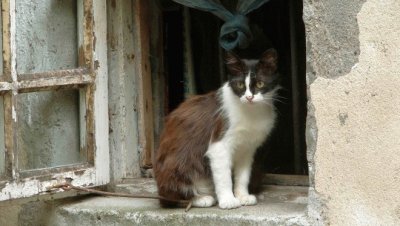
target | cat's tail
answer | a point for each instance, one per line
(175, 191)
(172, 199)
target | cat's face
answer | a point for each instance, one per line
(253, 81)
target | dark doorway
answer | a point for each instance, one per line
(281, 22)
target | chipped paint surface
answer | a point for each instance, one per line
(102, 158)
(14, 114)
(357, 162)
(25, 107)
(30, 187)
(2, 146)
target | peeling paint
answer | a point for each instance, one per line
(31, 186)
(34, 76)
(14, 114)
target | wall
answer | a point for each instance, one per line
(353, 56)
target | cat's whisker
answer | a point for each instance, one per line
(282, 97)
(280, 101)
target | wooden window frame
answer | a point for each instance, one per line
(91, 79)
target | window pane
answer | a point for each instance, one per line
(48, 129)
(46, 35)
(2, 147)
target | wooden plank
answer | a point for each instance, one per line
(45, 174)
(86, 40)
(159, 89)
(29, 187)
(142, 62)
(10, 99)
(8, 19)
(53, 74)
(82, 92)
(10, 128)
(5, 86)
(286, 180)
(53, 83)
(99, 89)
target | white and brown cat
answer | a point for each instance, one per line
(208, 144)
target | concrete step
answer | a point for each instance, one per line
(278, 205)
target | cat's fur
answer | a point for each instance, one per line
(210, 140)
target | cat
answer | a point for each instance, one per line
(208, 143)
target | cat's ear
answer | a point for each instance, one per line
(269, 60)
(234, 64)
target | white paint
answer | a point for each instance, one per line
(249, 125)
(30, 187)
(13, 114)
(122, 94)
(93, 176)
(102, 157)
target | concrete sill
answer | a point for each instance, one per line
(278, 205)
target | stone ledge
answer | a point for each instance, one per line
(278, 205)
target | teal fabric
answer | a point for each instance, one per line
(235, 32)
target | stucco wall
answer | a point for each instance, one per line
(354, 121)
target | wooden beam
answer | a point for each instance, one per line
(142, 62)
(286, 180)
(53, 80)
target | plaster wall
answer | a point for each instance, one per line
(354, 104)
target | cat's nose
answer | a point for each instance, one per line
(250, 98)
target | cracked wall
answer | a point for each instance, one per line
(353, 126)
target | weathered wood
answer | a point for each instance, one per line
(286, 180)
(125, 159)
(28, 183)
(10, 75)
(5, 86)
(9, 47)
(142, 62)
(59, 74)
(10, 129)
(46, 174)
(159, 89)
(86, 41)
(52, 83)
(100, 94)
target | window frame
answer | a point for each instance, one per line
(91, 77)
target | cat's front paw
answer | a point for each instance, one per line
(203, 201)
(247, 200)
(229, 203)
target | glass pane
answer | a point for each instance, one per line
(2, 146)
(47, 36)
(48, 129)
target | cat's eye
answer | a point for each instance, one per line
(260, 84)
(240, 85)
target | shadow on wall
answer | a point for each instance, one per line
(332, 26)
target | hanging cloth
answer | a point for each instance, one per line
(235, 32)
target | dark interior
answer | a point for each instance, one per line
(281, 22)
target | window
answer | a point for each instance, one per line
(53, 96)
(191, 63)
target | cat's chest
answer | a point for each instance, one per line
(253, 128)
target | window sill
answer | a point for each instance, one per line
(278, 205)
